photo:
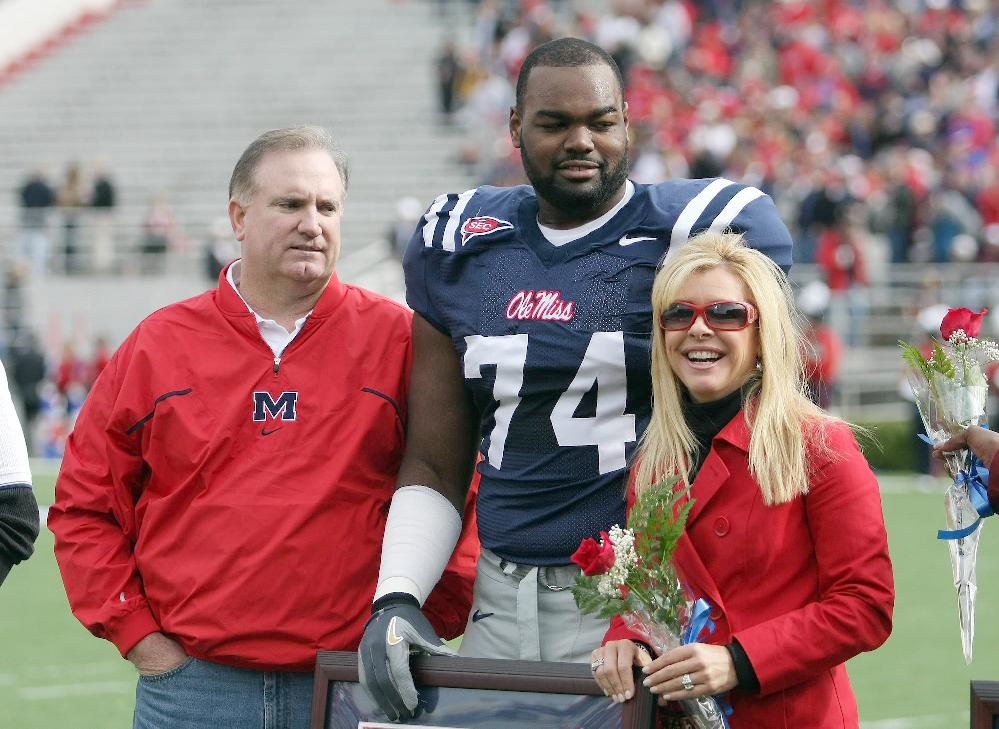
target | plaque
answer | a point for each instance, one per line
(985, 705)
(479, 693)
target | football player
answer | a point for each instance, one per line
(531, 345)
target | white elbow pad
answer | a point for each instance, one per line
(421, 532)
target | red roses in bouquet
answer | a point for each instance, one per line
(964, 319)
(594, 558)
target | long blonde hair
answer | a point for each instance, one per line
(781, 418)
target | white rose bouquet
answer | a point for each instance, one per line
(951, 390)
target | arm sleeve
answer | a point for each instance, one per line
(450, 602)
(853, 612)
(93, 518)
(18, 507)
(18, 525)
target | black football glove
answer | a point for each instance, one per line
(396, 629)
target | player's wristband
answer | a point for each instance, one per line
(420, 534)
(394, 598)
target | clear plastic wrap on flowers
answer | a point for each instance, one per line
(963, 560)
(951, 392)
(630, 573)
(703, 712)
(947, 407)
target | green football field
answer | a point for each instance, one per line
(54, 673)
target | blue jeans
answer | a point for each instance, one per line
(202, 695)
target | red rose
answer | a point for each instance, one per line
(962, 318)
(594, 558)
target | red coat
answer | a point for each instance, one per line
(803, 586)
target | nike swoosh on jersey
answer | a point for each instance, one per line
(264, 431)
(628, 240)
(391, 637)
(479, 615)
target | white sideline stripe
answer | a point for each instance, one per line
(43, 514)
(918, 722)
(58, 691)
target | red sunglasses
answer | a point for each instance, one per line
(729, 316)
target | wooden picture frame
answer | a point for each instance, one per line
(479, 693)
(985, 705)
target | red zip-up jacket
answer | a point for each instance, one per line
(236, 501)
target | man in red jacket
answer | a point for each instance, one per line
(220, 509)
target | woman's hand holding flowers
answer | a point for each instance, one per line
(709, 667)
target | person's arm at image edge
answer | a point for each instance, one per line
(18, 506)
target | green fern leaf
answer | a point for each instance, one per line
(941, 363)
(914, 358)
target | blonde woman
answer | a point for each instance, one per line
(786, 537)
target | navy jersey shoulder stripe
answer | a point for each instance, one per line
(693, 210)
(454, 219)
(430, 219)
(702, 213)
(440, 223)
(733, 207)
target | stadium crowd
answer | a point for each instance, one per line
(871, 124)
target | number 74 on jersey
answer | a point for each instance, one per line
(610, 428)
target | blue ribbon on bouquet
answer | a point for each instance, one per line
(975, 478)
(700, 619)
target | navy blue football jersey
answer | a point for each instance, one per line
(555, 343)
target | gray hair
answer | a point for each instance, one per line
(290, 139)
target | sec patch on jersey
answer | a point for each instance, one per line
(482, 225)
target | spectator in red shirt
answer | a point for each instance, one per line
(823, 352)
(102, 355)
(71, 369)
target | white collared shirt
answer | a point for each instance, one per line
(276, 336)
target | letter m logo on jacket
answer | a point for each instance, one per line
(265, 406)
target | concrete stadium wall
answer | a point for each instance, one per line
(31, 28)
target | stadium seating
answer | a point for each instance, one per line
(168, 93)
